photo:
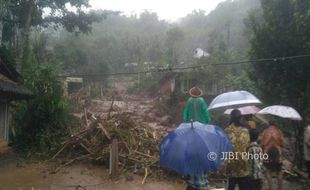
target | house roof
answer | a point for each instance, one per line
(9, 86)
(9, 71)
(186, 67)
(74, 79)
(12, 90)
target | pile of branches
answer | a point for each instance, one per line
(138, 148)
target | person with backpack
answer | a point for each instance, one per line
(272, 142)
(237, 166)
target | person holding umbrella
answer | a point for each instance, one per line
(197, 182)
(237, 166)
(194, 150)
(196, 109)
(272, 142)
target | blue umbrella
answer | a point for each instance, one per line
(194, 148)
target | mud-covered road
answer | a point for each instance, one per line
(21, 175)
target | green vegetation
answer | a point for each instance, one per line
(41, 122)
(131, 44)
(235, 30)
(282, 33)
(282, 30)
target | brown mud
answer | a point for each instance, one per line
(22, 175)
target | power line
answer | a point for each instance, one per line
(275, 59)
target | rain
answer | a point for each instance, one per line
(159, 94)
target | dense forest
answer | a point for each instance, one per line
(139, 43)
(118, 40)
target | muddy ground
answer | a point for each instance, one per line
(17, 174)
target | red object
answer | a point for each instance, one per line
(272, 137)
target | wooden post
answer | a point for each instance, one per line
(101, 92)
(114, 159)
(139, 81)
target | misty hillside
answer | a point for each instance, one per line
(118, 40)
(225, 24)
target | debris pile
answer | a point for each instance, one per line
(138, 127)
(137, 144)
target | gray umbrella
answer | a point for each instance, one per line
(281, 111)
(234, 99)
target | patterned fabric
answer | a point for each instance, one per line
(196, 109)
(307, 143)
(252, 124)
(238, 166)
(200, 182)
(256, 165)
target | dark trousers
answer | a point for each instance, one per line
(190, 188)
(257, 184)
(242, 182)
(308, 167)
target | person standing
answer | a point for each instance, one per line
(237, 166)
(256, 163)
(196, 109)
(307, 149)
(272, 142)
(197, 182)
(249, 120)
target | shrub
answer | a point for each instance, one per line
(40, 122)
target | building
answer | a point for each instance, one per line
(10, 90)
(182, 81)
(73, 85)
(199, 53)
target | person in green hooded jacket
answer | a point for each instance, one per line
(196, 109)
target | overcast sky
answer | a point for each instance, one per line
(169, 10)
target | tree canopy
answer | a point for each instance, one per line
(18, 16)
(282, 31)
